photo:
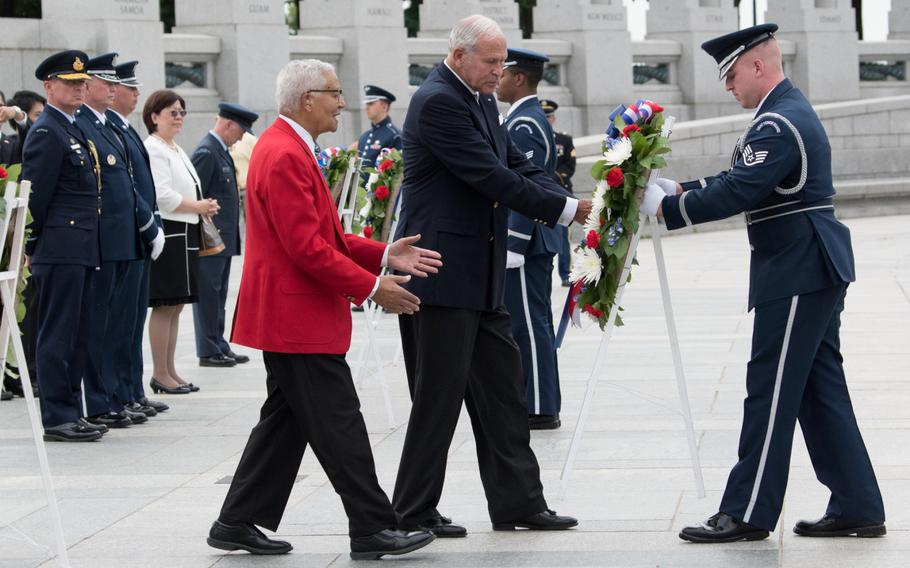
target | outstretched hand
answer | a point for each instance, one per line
(405, 257)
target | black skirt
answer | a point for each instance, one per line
(175, 272)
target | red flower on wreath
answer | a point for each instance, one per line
(615, 177)
(630, 129)
(593, 311)
(656, 107)
(381, 192)
(592, 239)
(368, 232)
(385, 165)
(3, 173)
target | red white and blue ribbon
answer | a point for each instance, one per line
(570, 312)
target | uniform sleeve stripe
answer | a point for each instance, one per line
(147, 225)
(519, 235)
(702, 182)
(682, 209)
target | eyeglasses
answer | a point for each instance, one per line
(176, 113)
(337, 93)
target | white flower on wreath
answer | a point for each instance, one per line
(592, 223)
(586, 266)
(619, 151)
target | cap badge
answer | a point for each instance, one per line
(78, 65)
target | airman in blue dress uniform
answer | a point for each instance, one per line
(216, 172)
(565, 169)
(531, 245)
(128, 230)
(381, 133)
(63, 246)
(802, 262)
(126, 97)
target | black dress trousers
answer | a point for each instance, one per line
(453, 355)
(311, 400)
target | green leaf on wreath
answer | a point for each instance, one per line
(597, 170)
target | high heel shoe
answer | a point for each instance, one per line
(159, 388)
(191, 386)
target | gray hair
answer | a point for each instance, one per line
(298, 77)
(469, 30)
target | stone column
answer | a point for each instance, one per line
(826, 67)
(899, 20)
(438, 16)
(132, 28)
(254, 45)
(599, 72)
(691, 23)
(375, 52)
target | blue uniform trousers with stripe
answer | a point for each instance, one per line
(144, 269)
(208, 311)
(108, 374)
(796, 373)
(527, 297)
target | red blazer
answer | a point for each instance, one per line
(300, 270)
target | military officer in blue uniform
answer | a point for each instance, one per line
(802, 262)
(216, 172)
(63, 247)
(128, 233)
(126, 96)
(565, 169)
(381, 133)
(531, 245)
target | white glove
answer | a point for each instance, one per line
(668, 185)
(514, 260)
(157, 244)
(654, 195)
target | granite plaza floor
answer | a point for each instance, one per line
(145, 496)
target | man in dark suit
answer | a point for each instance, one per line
(802, 262)
(63, 249)
(219, 181)
(127, 231)
(299, 261)
(126, 96)
(462, 174)
(531, 246)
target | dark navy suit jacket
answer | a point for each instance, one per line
(462, 174)
(533, 135)
(781, 164)
(64, 200)
(219, 181)
(119, 200)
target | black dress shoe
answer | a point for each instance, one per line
(218, 360)
(543, 421)
(833, 526)
(5, 395)
(70, 432)
(159, 388)
(13, 386)
(388, 541)
(158, 406)
(244, 536)
(443, 527)
(237, 357)
(543, 521)
(111, 419)
(135, 417)
(722, 528)
(96, 427)
(142, 409)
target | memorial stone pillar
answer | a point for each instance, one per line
(438, 16)
(599, 72)
(691, 23)
(826, 67)
(375, 52)
(899, 20)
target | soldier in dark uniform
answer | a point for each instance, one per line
(128, 230)
(218, 178)
(801, 264)
(63, 246)
(381, 133)
(565, 169)
(531, 246)
(126, 95)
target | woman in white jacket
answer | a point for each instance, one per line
(173, 274)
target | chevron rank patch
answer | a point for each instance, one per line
(752, 157)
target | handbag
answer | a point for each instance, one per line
(210, 241)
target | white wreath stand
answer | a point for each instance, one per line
(346, 211)
(601, 358)
(9, 331)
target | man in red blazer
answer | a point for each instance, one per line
(300, 274)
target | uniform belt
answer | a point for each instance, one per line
(788, 208)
